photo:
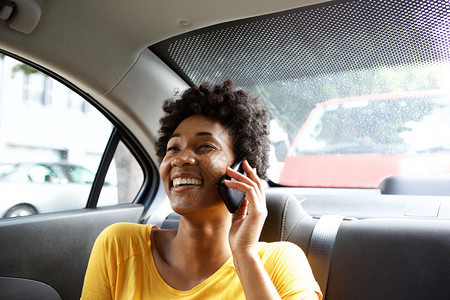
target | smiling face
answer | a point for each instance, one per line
(197, 156)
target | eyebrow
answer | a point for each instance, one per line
(202, 133)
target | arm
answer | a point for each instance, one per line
(290, 268)
(244, 236)
(255, 281)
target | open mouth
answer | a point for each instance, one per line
(177, 182)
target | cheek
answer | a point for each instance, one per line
(215, 167)
(163, 170)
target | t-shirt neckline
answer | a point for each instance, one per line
(200, 286)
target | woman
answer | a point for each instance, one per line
(213, 254)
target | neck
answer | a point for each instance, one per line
(194, 252)
(199, 241)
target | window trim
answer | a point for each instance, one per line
(105, 162)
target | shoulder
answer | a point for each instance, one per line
(289, 269)
(279, 248)
(125, 233)
(283, 255)
(125, 229)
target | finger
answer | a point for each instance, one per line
(236, 175)
(253, 174)
(242, 178)
(248, 189)
(251, 178)
(241, 212)
(255, 203)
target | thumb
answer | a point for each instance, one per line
(241, 213)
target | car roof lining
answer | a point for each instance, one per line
(118, 35)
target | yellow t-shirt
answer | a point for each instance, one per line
(122, 267)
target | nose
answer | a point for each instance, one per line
(184, 158)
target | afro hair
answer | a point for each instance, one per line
(241, 113)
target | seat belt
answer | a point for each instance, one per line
(321, 248)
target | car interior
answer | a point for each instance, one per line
(124, 58)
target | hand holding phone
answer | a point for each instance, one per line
(232, 197)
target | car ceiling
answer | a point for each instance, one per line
(95, 43)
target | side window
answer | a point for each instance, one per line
(123, 180)
(51, 144)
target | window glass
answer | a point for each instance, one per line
(78, 174)
(5, 169)
(51, 144)
(123, 180)
(357, 90)
(376, 126)
(349, 137)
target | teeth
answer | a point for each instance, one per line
(180, 181)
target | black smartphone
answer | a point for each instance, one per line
(232, 197)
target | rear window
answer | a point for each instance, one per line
(384, 125)
(359, 86)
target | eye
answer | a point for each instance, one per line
(206, 147)
(173, 148)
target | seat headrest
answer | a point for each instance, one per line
(416, 185)
(284, 212)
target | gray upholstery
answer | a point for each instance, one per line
(171, 221)
(376, 258)
(391, 259)
(287, 221)
(415, 185)
(285, 216)
(67, 237)
(19, 289)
